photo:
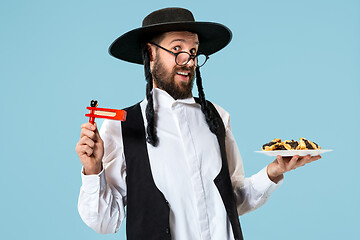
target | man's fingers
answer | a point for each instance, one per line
(285, 164)
(89, 126)
(309, 159)
(303, 161)
(97, 134)
(86, 132)
(84, 149)
(280, 160)
(91, 131)
(314, 158)
(85, 140)
(292, 163)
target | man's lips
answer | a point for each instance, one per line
(183, 73)
(183, 76)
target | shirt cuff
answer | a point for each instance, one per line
(92, 183)
(262, 183)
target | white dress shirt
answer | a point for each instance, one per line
(184, 165)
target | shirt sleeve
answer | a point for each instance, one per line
(102, 197)
(251, 192)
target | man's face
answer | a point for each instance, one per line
(167, 75)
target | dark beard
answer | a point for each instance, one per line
(166, 81)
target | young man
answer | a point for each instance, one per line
(174, 162)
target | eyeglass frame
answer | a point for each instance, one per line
(191, 56)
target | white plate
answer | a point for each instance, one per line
(290, 153)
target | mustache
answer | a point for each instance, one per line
(191, 69)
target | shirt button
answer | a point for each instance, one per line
(167, 230)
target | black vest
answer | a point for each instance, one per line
(147, 209)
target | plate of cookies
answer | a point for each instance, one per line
(290, 148)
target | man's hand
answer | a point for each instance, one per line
(281, 165)
(90, 149)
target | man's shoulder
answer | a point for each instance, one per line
(133, 105)
(222, 112)
(110, 128)
(220, 109)
(225, 116)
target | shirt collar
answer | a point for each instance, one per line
(163, 99)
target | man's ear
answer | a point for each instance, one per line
(151, 51)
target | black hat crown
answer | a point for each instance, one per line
(168, 15)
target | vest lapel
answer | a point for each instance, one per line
(147, 214)
(222, 180)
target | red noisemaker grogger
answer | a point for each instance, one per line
(107, 113)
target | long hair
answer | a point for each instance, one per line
(209, 115)
(150, 113)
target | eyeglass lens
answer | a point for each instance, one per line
(201, 59)
(183, 58)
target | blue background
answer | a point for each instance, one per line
(291, 71)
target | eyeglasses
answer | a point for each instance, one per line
(182, 58)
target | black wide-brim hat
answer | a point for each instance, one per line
(212, 36)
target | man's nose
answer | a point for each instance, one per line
(191, 62)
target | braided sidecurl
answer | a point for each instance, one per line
(209, 115)
(150, 113)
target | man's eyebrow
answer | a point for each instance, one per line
(182, 40)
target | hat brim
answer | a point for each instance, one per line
(212, 38)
